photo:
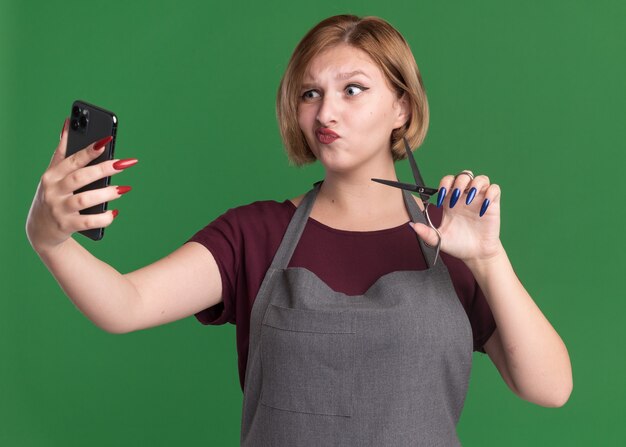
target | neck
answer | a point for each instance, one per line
(355, 195)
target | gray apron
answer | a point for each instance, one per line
(387, 368)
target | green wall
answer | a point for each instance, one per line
(530, 93)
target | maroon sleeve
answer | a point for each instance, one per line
(481, 318)
(243, 242)
(472, 299)
(223, 239)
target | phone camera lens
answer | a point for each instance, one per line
(74, 124)
(83, 121)
(75, 111)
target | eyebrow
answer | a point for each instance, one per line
(351, 74)
(340, 76)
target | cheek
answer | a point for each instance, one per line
(304, 118)
(305, 125)
(372, 118)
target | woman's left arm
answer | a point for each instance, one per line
(528, 352)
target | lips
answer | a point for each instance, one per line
(325, 135)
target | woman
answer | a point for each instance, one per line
(348, 332)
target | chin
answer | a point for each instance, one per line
(339, 164)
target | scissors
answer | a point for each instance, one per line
(424, 192)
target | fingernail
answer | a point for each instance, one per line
(125, 163)
(455, 196)
(63, 128)
(115, 213)
(440, 196)
(483, 210)
(123, 189)
(101, 143)
(470, 196)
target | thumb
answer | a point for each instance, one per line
(59, 153)
(426, 233)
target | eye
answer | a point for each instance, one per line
(310, 94)
(355, 89)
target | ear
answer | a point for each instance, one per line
(403, 111)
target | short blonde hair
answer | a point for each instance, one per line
(387, 48)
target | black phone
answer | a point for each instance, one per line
(90, 123)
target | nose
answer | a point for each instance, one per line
(328, 111)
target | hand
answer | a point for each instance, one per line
(465, 234)
(54, 214)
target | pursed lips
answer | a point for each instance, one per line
(325, 135)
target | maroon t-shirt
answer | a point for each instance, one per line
(245, 239)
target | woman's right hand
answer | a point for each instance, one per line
(54, 214)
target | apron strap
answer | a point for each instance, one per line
(295, 229)
(301, 216)
(417, 216)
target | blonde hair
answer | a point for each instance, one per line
(387, 48)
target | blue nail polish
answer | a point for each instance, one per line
(455, 196)
(440, 196)
(483, 210)
(470, 196)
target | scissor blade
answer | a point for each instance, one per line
(415, 188)
(416, 172)
(406, 186)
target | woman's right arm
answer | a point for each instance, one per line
(179, 285)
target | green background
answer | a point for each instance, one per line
(530, 93)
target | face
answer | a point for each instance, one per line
(347, 109)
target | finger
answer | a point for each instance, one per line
(444, 186)
(80, 158)
(459, 188)
(491, 200)
(89, 174)
(476, 188)
(59, 153)
(94, 197)
(425, 233)
(81, 222)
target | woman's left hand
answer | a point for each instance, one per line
(469, 232)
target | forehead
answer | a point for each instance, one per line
(342, 61)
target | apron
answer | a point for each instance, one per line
(387, 368)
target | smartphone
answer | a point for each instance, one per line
(90, 123)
